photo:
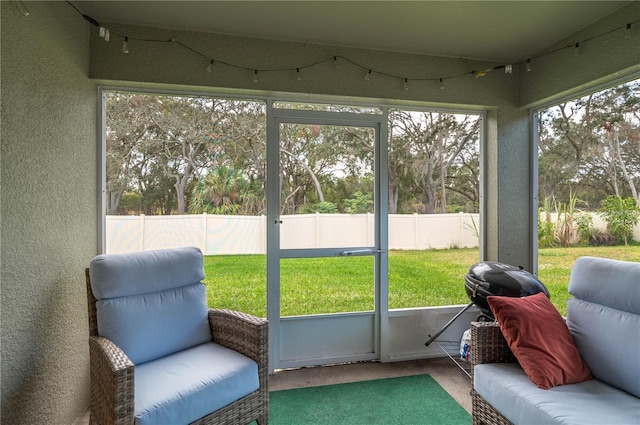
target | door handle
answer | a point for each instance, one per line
(360, 251)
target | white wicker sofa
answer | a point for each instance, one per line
(604, 320)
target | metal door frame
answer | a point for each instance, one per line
(379, 316)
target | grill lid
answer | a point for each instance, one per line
(488, 278)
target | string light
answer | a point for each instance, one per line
(337, 59)
(23, 8)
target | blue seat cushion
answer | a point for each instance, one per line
(150, 326)
(185, 386)
(508, 389)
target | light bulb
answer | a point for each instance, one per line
(441, 84)
(367, 76)
(298, 75)
(508, 69)
(255, 76)
(528, 65)
(104, 33)
(125, 45)
(210, 67)
(627, 32)
(576, 50)
(481, 73)
(336, 63)
(23, 8)
(406, 84)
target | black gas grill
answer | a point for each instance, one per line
(488, 278)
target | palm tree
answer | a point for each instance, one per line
(227, 191)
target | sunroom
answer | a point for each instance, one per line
(498, 61)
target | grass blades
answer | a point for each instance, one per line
(345, 284)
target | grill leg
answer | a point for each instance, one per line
(433, 338)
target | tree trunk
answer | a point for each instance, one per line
(181, 184)
(430, 193)
(114, 201)
(623, 167)
(393, 194)
(308, 169)
(443, 187)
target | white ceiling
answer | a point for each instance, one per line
(501, 31)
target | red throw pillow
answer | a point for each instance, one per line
(539, 338)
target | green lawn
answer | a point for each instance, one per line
(339, 284)
(554, 266)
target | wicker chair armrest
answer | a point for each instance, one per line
(488, 344)
(112, 383)
(240, 332)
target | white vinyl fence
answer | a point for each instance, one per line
(226, 234)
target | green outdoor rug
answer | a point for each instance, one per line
(405, 400)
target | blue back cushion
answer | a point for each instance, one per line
(612, 283)
(151, 304)
(604, 319)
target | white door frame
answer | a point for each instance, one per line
(354, 336)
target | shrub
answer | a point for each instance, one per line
(584, 223)
(621, 216)
(360, 203)
(546, 228)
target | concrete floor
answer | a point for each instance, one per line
(443, 370)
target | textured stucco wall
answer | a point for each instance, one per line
(168, 63)
(514, 240)
(601, 60)
(48, 212)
